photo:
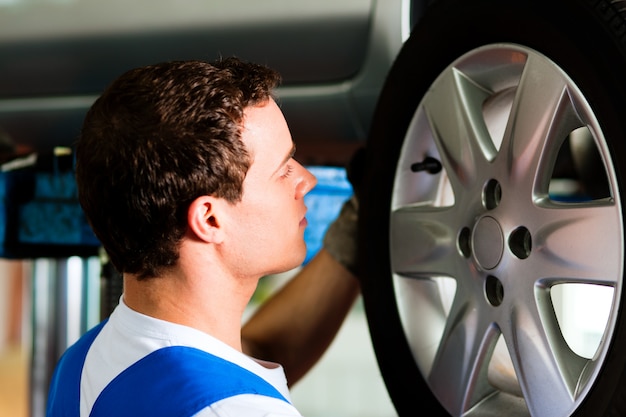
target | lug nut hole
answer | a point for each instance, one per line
(492, 194)
(494, 291)
(520, 242)
(464, 242)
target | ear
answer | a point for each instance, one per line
(203, 219)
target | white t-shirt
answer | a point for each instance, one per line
(129, 336)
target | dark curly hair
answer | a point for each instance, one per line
(157, 138)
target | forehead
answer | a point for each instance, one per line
(265, 132)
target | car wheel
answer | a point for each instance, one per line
(492, 222)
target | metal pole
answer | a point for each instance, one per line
(65, 305)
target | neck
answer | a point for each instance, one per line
(213, 303)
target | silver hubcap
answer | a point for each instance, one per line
(491, 255)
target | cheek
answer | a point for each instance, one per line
(279, 196)
(271, 202)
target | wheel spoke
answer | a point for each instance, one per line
(578, 243)
(456, 120)
(458, 374)
(538, 124)
(546, 368)
(423, 241)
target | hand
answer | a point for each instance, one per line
(341, 238)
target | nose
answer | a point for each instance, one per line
(306, 182)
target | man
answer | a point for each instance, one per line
(186, 173)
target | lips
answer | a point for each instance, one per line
(304, 222)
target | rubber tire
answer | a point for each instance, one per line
(587, 39)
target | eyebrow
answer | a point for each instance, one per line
(289, 155)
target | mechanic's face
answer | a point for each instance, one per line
(272, 210)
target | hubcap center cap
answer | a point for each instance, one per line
(488, 242)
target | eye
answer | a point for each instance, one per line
(288, 171)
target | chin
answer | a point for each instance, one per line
(294, 262)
